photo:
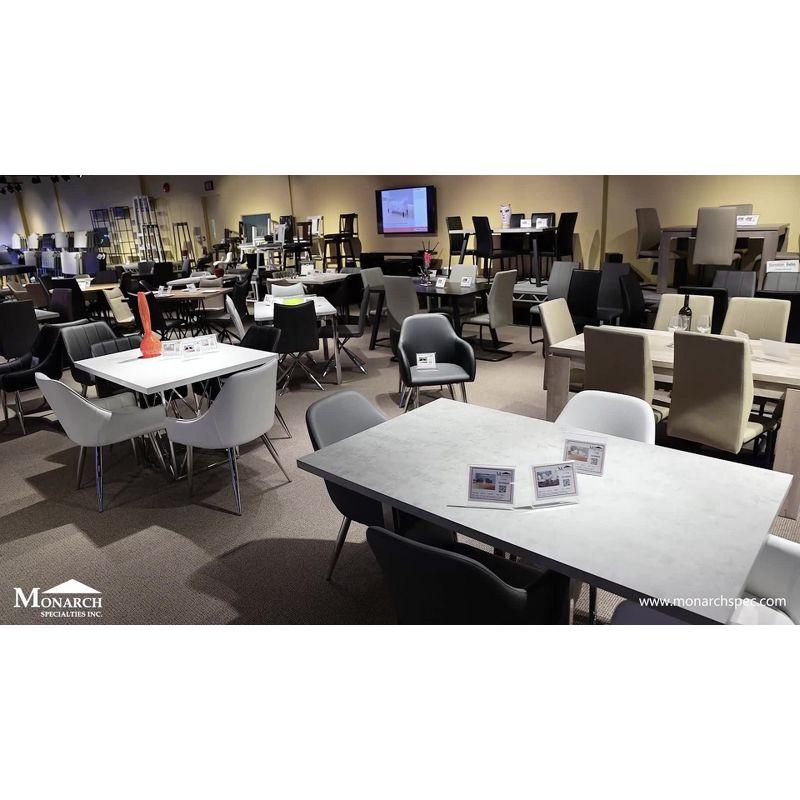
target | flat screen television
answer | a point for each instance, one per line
(410, 210)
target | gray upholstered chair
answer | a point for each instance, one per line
(78, 343)
(670, 304)
(715, 240)
(401, 299)
(99, 422)
(758, 317)
(557, 286)
(455, 359)
(500, 306)
(619, 361)
(712, 394)
(233, 419)
(738, 283)
(609, 295)
(782, 282)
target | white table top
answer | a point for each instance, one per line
(766, 374)
(264, 311)
(659, 523)
(152, 375)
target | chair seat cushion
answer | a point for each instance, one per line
(444, 373)
(479, 319)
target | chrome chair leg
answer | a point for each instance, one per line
(452, 393)
(311, 375)
(98, 475)
(159, 454)
(190, 469)
(5, 405)
(464, 392)
(20, 415)
(81, 462)
(268, 444)
(409, 395)
(343, 528)
(282, 421)
(235, 479)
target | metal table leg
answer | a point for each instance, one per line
(376, 323)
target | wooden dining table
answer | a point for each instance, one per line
(767, 374)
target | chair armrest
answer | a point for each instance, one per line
(405, 365)
(776, 574)
(465, 357)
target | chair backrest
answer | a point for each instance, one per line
(758, 317)
(557, 324)
(565, 232)
(483, 236)
(738, 283)
(336, 417)
(712, 390)
(782, 282)
(82, 421)
(61, 303)
(456, 240)
(401, 298)
(560, 276)
(612, 414)
(119, 345)
(234, 315)
(18, 328)
(163, 272)
(372, 277)
(742, 209)
(298, 327)
(584, 287)
(261, 337)
(648, 230)
(78, 343)
(428, 333)
(430, 585)
(550, 216)
(105, 276)
(212, 302)
(609, 293)
(17, 287)
(76, 296)
(292, 290)
(633, 305)
(279, 234)
(459, 271)
(348, 224)
(38, 295)
(500, 302)
(670, 304)
(720, 298)
(120, 309)
(715, 241)
(618, 361)
(243, 410)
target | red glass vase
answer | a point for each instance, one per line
(151, 344)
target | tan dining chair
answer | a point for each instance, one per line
(557, 325)
(216, 302)
(712, 394)
(119, 307)
(670, 304)
(715, 240)
(758, 317)
(619, 361)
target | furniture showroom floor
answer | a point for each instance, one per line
(158, 557)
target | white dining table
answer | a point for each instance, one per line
(264, 314)
(767, 374)
(659, 523)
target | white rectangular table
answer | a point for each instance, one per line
(264, 314)
(659, 523)
(772, 375)
(158, 375)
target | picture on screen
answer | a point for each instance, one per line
(408, 210)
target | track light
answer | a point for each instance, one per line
(54, 178)
(36, 179)
(65, 178)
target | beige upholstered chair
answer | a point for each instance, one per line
(120, 309)
(715, 241)
(619, 361)
(758, 317)
(712, 393)
(214, 302)
(670, 304)
(557, 326)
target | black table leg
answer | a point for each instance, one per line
(456, 315)
(376, 323)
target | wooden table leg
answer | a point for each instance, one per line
(787, 451)
(557, 386)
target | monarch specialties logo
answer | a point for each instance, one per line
(72, 599)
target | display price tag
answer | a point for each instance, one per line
(491, 485)
(426, 360)
(589, 457)
(554, 482)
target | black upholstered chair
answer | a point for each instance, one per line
(78, 341)
(462, 585)
(61, 303)
(634, 309)
(484, 246)
(455, 359)
(76, 297)
(737, 283)
(338, 417)
(456, 240)
(609, 293)
(106, 347)
(557, 286)
(584, 287)
(299, 337)
(18, 328)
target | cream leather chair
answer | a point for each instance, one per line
(293, 290)
(613, 414)
(100, 422)
(120, 309)
(758, 317)
(670, 304)
(712, 393)
(557, 325)
(233, 419)
(215, 303)
(619, 361)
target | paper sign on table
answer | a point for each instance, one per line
(541, 223)
(441, 282)
(525, 223)
(744, 220)
(554, 483)
(466, 282)
(784, 265)
(491, 485)
(589, 457)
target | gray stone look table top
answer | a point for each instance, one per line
(659, 523)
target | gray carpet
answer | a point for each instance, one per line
(160, 557)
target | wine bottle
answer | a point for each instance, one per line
(686, 314)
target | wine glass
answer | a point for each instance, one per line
(675, 323)
(703, 323)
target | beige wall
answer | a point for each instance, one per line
(456, 195)
(677, 197)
